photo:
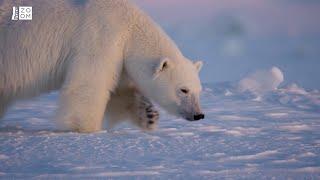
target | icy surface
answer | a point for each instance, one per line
(277, 136)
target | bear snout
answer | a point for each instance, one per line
(198, 117)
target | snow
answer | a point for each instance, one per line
(296, 127)
(240, 138)
(260, 155)
(3, 156)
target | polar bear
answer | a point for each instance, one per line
(107, 58)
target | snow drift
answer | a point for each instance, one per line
(262, 81)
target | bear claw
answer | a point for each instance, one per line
(150, 120)
(147, 115)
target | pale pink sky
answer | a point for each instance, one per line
(292, 17)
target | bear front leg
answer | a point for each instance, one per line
(147, 116)
(128, 104)
(85, 94)
(3, 109)
(4, 103)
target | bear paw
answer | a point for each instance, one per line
(149, 117)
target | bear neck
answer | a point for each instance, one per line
(149, 41)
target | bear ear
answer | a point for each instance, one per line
(161, 66)
(198, 65)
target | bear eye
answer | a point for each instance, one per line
(165, 65)
(184, 90)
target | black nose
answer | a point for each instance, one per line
(198, 117)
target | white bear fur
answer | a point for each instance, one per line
(91, 51)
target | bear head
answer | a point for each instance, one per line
(174, 84)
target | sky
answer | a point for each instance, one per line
(292, 17)
(235, 38)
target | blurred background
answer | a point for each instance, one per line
(235, 37)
